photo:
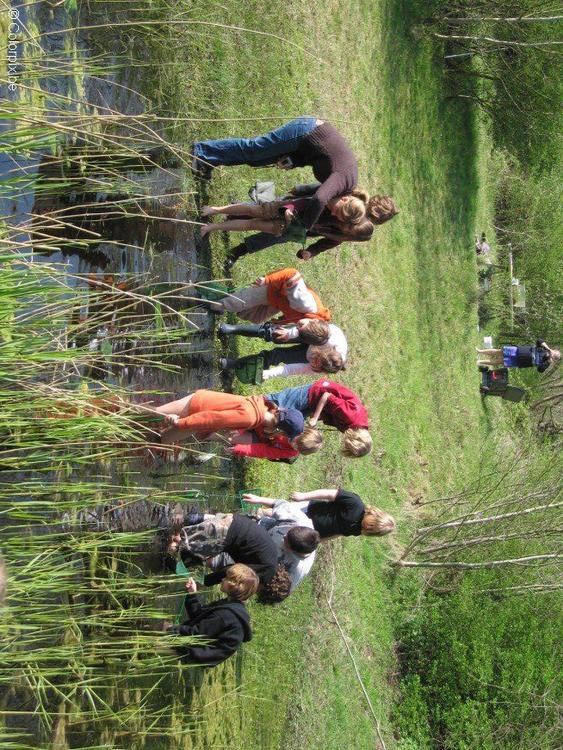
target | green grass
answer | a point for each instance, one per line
(407, 302)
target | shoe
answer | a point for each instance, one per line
(201, 169)
(227, 363)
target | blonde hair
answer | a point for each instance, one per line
(240, 582)
(353, 210)
(377, 522)
(357, 442)
(329, 358)
(316, 332)
(381, 208)
(310, 441)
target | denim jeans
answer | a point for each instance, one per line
(258, 151)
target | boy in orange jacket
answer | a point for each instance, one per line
(282, 292)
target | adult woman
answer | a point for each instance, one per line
(305, 141)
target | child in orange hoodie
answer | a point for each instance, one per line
(282, 292)
(205, 412)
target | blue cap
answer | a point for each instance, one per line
(292, 422)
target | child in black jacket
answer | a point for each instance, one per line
(224, 623)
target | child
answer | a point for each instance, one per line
(292, 532)
(205, 412)
(342, 513)
(286, 215)
(539, 356)
(336, 406)
(281, 291)
(304, 358)
(257, 444)
(379, 209)
(225, 623)
(205, 536)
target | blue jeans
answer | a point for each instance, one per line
(292, 398)
(258, 151)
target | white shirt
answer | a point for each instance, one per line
(336, 338)
(284, 516)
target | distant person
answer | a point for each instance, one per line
(539, 356)
(340, 512)
(224, 623)
(482, 247)
(336, 406)
(305, 141)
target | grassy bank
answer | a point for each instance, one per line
(407, 302)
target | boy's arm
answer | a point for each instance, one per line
(317, 248)
(263, 450)
(269, 502)
(287, 370)
(318, 409)
(328, 495)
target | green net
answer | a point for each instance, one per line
(249, 369)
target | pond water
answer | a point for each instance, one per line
(80, 664)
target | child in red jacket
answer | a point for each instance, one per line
(258, 444)
(336, 406)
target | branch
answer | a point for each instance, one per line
(475, 566)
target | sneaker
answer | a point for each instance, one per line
(227, 363)
(200, 169)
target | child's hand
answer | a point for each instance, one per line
(191, 586)
(305, 255)
(293, 281)
(312, 422)
(297, 497)
(260, 281)
(280, 335)
(250, 498)
(172, 419)
(289, 215)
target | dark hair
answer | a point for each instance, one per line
(277, 589)
(302, 539)
(317, 332)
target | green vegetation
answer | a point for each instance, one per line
(444, 663)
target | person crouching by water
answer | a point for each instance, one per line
(205, 412)
(224, 623)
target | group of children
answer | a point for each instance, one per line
(269, 551)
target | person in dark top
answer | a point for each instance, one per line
(539, 356)
(342, 513)
(205, 535)
(379, 209)
(305, 141)
(224, 623)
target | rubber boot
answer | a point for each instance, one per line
(249, 330)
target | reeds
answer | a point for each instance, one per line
(83, 661)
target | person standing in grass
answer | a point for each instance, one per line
(256, 444)
(346, 214)
(234, 537)
(304, 141)
(292, 532)
(539, 356)
(335, 405)
(331, 232)
(224, 624)
(335, 513)
(205, 412)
